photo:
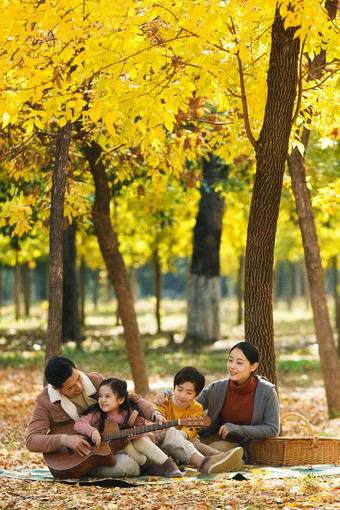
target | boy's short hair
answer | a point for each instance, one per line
(190, 374)
(58, 369)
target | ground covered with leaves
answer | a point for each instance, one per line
(18, 389)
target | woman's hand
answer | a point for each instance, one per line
(223, 432)
(96, 438)
(161, 399)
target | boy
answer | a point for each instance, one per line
(188, 384)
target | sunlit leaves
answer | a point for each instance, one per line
(160, 78)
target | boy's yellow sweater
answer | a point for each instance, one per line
(173, 412)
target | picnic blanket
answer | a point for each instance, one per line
(248, 473)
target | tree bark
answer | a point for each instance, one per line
(305, 286)
(26, 287)
(17, 288)
(70, 320)
(327, 350)
(276, 277)
(336, 299)
(82, 291)
(157, 283)
(289, 285)
(133, 279)
(297, 290)
(329, 360)
(0, 289)
(271, 153)
(95, 290)
(116, 268)
(55, 285)
(203, 325)
(240, 289)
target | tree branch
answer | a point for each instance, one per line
(298, 104)
(332, 73)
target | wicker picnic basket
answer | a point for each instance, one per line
(292, 451)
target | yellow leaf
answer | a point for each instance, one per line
(132, 73)
(68, 113)
(110, 119)
(62, 122)
(159, 133)
(102, 140)
(6, 119)
(29, 126)
(94, 113)
(38, 123)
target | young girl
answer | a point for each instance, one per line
(114, 404)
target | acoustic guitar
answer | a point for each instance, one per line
(66, 463)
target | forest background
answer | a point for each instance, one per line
(148, 144)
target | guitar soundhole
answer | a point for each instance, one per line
(70, 451)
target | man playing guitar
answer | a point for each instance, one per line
(68, 393)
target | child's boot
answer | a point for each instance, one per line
(168, 469)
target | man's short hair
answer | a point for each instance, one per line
(57, 370)
(190, 374)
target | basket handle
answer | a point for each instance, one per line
(302, 418)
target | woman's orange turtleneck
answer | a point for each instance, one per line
(239, 404)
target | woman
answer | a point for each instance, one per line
(243, 406)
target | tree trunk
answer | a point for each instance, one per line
(95, 290)
(0, 289)
(26, 287)
(116, 267)
(82, 291)
(306, 286)
(297, 292)
(204, 285)
(133, 278)
(328, 353)
(157, 285)
(240, 290)
(55, 285)
(289, 285)
(271, 153)
(329, 360)
(276, 278)
(336, 299)
(17, 288)
(70, 320)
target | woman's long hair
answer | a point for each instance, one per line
(119, 388)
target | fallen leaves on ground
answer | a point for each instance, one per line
(225, 494)
(18, 389)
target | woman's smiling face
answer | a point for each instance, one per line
(239, 367)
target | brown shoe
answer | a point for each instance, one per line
(171, 469)
(224, 462)
(168, 469)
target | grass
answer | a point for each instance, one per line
(104, 350)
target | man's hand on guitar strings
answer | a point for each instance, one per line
(78, 444)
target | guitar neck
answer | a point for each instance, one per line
(139, 430)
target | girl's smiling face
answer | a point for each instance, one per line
(239, 367)
(108, 400)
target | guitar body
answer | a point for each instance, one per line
(66, 463)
